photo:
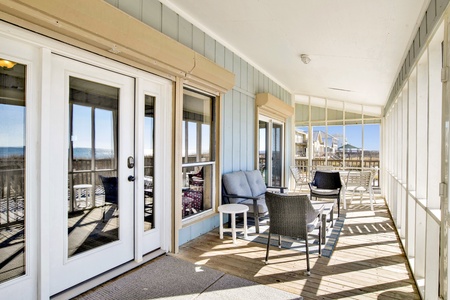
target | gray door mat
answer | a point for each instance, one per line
(168, 277)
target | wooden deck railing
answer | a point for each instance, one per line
(12, 197)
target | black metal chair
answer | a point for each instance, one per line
(326, 185)
(110, 184)
(293, 216)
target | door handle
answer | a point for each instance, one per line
(131, 178)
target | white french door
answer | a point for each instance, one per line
(153, 156)
(92, 155)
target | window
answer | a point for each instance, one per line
(12, 171)
(198, 152)
(337, 135)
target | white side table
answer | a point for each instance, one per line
(78, 191)
(232, 209)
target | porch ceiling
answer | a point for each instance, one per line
(356, 46)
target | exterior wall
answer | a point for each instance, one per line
(238, 109)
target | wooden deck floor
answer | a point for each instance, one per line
(367, 263)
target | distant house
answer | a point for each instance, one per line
(324, 144)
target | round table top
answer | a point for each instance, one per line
(233, 208)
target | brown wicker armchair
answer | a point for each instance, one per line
(293, 216)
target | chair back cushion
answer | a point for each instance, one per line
(235, 183)
(291, 215)
(327, 180)
(256, 182)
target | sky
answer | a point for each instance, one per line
(12, 126)
(353, 134)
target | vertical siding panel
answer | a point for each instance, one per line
(243, 131)
(198, 43)
(133, 8)
(185, 32)
(237, 69)
(265, 83)
(227, 131)
(423, 31)
(169, 23)
(244, 70)
(255, 81)
(431, 14)
(210, 47)
(229, 60)
(236, 119)
(440, 6)
(251, 133)
(220, 54)
(261, 83)
(151, 13)
(250, 79)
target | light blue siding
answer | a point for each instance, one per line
(238, 114)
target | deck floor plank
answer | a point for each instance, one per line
(367, 263)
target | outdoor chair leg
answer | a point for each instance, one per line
(279, 241)
(320, 241)
(308, 272)
(267, 249)
(256, 215)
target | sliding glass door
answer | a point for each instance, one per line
(271, 150)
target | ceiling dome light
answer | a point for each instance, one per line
(305, 58)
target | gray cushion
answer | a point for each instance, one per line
(236, 183)
(256, 182)
(324, 192)
(262, 207)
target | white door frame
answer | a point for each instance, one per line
(37, 51)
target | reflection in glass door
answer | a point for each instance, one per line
(12, 171)
(277, 154)
(93, 212)
(149, 163)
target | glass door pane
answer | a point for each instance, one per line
(12, 171)
(263, 151)
(93, 218)
(277, 154)
(149, 163)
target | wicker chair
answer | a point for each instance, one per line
(292, 216)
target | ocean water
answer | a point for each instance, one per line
(78, 153)
(11, 151)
